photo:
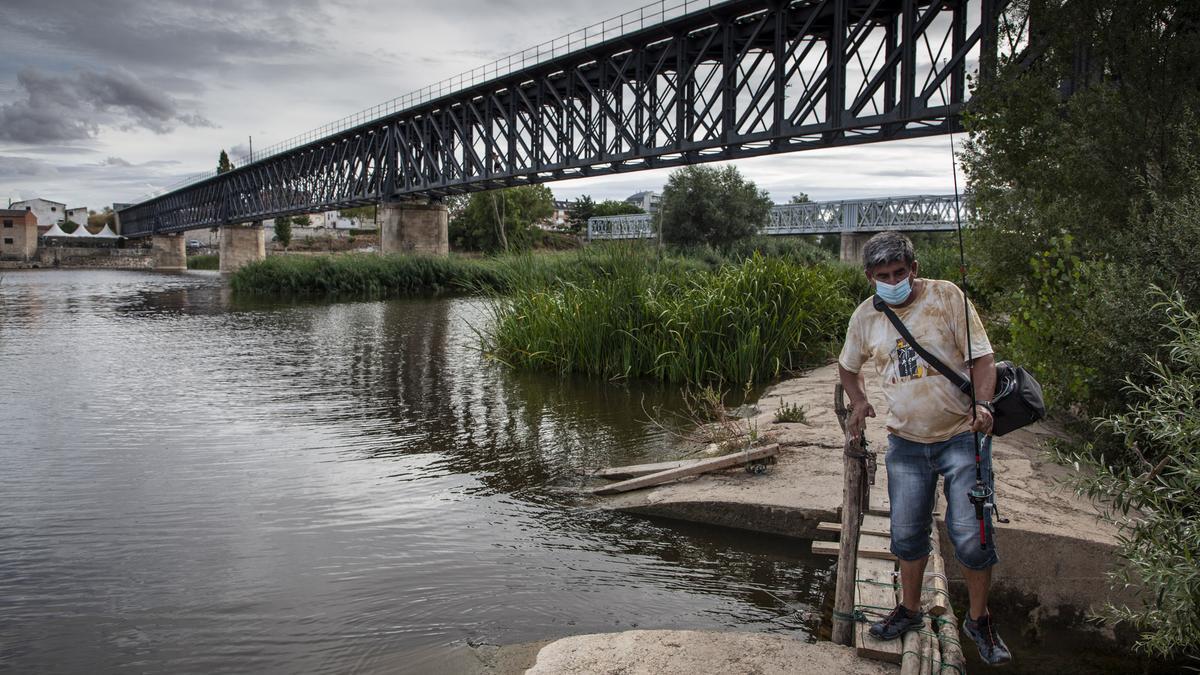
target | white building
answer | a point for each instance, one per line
(648, 200)
(47, 212)
(78, 215)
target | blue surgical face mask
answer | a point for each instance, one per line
(894, 294)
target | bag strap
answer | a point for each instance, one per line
(957, 380)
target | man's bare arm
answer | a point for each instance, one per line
(860, 408)
(983, 371)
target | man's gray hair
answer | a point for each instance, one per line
(887, 247)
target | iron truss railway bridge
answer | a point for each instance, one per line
(922, 213)
(677, 82)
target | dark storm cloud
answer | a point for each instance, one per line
(53, 108)
(166, 35)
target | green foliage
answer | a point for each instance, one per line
(283, 230)
(614, 207)
(360, 276)
(801, 198)
(223, 163)
(501, 220)
(714, 206)
(579, 212)
(792, 413)
(204, 262)
(1155, 501)
(360, 212)
(69, 226)
(652, 317)
(1083, 327)
(302, 220)
(1083, 202)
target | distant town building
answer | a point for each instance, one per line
(78, 215)
(648, 200)
(47, 212)
(18, 233)
(558, 221)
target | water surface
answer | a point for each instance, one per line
(195, 484)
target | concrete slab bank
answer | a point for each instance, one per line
(1054, 553)
(685, 652)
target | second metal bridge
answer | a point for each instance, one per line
(920, 213)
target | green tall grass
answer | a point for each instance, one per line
(648, 317)
(378, 276)
(209, 261)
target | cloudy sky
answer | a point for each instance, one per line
(103, 101)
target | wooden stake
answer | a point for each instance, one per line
(852, 507)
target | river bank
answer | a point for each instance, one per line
(1055, 552)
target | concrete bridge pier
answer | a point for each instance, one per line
(414, 227)
(242, 244)
(167, 252)
(852, 247)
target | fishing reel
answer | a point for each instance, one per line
(982, 498)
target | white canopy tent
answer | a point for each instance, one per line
(55, 231)
(105, 233)
(81, 231)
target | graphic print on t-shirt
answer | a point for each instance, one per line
(909, 366)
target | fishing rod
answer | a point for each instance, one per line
(981, 495)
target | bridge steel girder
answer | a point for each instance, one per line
(738, 79)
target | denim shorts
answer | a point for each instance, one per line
(913, 469)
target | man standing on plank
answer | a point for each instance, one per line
(931, 427)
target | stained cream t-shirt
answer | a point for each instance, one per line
(923, 406)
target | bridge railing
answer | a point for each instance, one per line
(913, 214)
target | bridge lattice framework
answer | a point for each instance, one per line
(722, 80)
(917, 213)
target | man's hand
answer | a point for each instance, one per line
(982, 422)
(859, 412)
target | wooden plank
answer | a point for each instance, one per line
(873, 590)
(703, 466)
(875, 525)
(639, 470)
(869, 546)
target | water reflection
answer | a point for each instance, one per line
(201, 484)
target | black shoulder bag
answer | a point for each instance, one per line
(1018, 401)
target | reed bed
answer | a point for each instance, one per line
(738, 324)
(209, 261)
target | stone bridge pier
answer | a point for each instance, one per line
(242, 244)
(852, 247)
(414, 227)
(168, 252)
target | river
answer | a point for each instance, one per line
(193, 483)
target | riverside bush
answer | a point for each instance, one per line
(740, 324)
(1156, 501)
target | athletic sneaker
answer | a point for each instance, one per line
(899, 622)
(992, 649)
